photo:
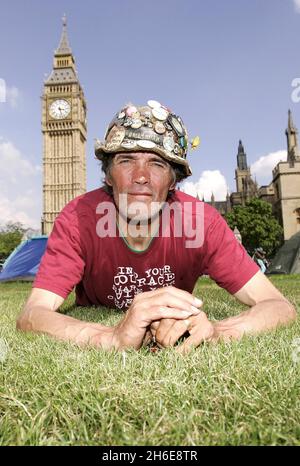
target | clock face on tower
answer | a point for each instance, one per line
(59, 109)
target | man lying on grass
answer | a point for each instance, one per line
(139, 245)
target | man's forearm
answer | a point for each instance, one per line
(266, 315)
(41, 320)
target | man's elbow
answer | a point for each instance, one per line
(292, 313)
(23, 321)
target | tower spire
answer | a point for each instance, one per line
(241, 157)
(292, 140)
(64, 46)
(63, 63)
(290, 121)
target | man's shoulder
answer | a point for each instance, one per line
(197, 205)
(86, 204)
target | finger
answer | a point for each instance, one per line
(147, 338)
(169, 300)
(168, 335)
(198, 334)
(163, 330)
(163, 312)
(172, 291)
(191, 342)
(154, 326)
(164, 326)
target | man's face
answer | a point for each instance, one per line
(140, 182)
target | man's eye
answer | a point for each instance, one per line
(125, 160)
(156, 163)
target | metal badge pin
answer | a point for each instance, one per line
(128, 121)
(160, 113)
(136, 123)
(183, 142)
(176, 125)
(159, 127)
(153, 104)
(168, 126)
(115, 138)
(168, 143)
(130, 110)
(146, 144)
(128, 144)
(176, 149)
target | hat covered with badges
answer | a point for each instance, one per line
(152, 127)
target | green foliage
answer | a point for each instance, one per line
(10, 236)
(257, 225)
(240, 393)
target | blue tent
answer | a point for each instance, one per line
(24, 261)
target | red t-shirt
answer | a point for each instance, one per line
(106, 271)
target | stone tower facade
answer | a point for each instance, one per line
(64, 134)
(283, 192)
(286, 184)
(246, 188)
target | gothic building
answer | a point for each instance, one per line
(283, 192)
(64, 134)
(246, 188)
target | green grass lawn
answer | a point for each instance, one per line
(242, 393)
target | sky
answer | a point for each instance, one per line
(229, 68)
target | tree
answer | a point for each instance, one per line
(257, 225)
(10, 236)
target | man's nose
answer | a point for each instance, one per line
(140, 174)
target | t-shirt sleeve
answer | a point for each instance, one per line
(225, 260)
(62, 265)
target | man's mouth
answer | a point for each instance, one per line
(140, 194)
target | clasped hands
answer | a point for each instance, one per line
(166, 314)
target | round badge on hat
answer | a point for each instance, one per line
(128, 121)
(145, 144)
(115, 137)
(160, 113)
(128, 144)
(136, 115)
(130, 110)
(168, 143)
(153, 104)
(136, 123)
(160, 127)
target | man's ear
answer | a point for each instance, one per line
(107, 180)
(172, 186)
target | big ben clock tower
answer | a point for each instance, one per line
(64, 134)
